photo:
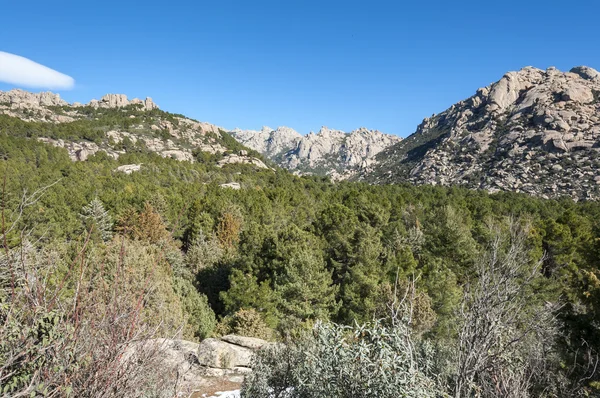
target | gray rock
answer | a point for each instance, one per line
(129, 168)
(113, 101)
(336, 152)
(22, 98)
(586, 72)
(220, 354)
(232, 185)
(248, 342)
(529, 118)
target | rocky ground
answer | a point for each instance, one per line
(533, 131)
(210, 368)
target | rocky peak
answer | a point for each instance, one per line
(327, 133)
(534, 131)
(168, 135)
(120, 100)
(18, 98)
(268, 141)
(328, 152)
(21, 98)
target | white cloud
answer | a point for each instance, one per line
(21, 71)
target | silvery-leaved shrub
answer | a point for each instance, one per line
(372, 360)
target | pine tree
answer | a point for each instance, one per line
(97, 218)
(306, 289)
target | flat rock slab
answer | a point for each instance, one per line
(221, 354)
(248, 342)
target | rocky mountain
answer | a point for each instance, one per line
(533, 131)
(115, 125)
(267, 141)
(328, 152)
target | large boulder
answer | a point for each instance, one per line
(252, 343)
(114, 101)
(586, 72)
(215, 353)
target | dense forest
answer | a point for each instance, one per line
(281, 256)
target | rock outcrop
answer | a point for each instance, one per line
(241, 158)
(196, 366)
(129, 168)
(267, 141)
(23, 98)
(120, 100)
(231, 185)
(533, 131)
(328, 152)
(78, 151)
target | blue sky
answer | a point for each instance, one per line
(345, 64)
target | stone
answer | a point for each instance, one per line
(149, 104)
(232, 185)
(129, 168)
(586, 72)
(215, 353)
(24, 98)
(247, 342)
(233, 159)
(578, 93)
(180, 155)
(267, 141)
(113, 101)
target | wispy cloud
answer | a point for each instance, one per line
(21, 71)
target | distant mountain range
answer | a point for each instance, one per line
(329, 152)
(533, 131)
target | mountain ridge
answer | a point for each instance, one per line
(532, 131)
(116, 125)
(330, 152)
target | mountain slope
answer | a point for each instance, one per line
(115, 125)
(329, 152)
(533, 131)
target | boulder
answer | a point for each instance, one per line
(216, 353)
(232, 185)
(129, 168)
(578, 93)
(252, 343)
(586, 72)
(25, 99)
(114, 101)
(149, 104)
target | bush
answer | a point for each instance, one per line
(73, 328)
(200, 317)
(336, 361)
(245, 322)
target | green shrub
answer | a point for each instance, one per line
(245, 322)
(337, 361)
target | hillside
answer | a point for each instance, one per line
(532, 131)
(330, 152)
(115, 125)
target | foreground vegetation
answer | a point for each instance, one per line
(496, 295)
